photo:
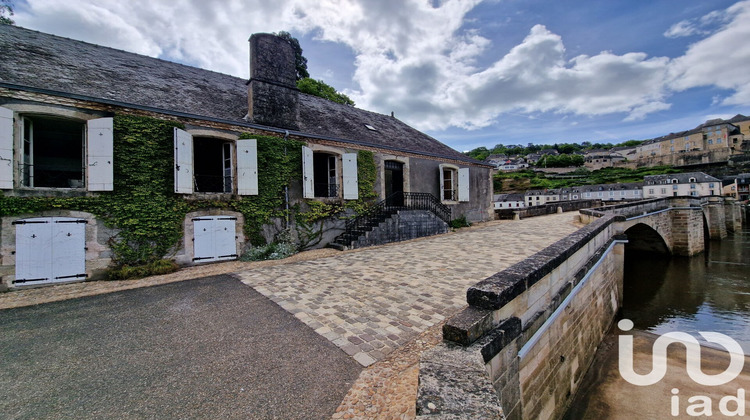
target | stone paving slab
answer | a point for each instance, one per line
(371, 302)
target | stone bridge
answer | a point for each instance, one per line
(529, 334)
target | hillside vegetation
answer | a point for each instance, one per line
(509, 182)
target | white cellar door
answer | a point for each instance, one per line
(68, 249)
(224, 238)
(50, 250)
(204, 248)
(33, 251)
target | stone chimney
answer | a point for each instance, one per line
(272, 93)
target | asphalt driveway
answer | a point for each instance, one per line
(205, 348)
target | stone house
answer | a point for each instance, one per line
(508, 201)
(695, 184)
(68, 114)
(737, 187)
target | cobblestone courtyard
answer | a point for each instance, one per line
(370, 302)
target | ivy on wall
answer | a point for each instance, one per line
(149, 216)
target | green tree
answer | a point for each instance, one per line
(299, 60)
(320, 88)
(6, 11)
(480, 153)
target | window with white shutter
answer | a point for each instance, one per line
(99, 154)
(183, 162)
(6, 149)
(247, 167)
(349, 170)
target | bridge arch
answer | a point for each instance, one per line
(644, 238)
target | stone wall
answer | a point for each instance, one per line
(534, 326)
(551, 208)
(405, 225)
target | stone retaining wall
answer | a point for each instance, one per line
(521, 347)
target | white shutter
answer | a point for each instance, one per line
(463, 184)
(33, 250)
(441, 187)
(183, 162)
(351, 188)
(224, 238)
(68, 249)
(99, 155)
(247, 167)
(204, 248)
(308, 177)
(6, 149)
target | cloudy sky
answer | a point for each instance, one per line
(469, 72)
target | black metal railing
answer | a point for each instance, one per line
(374, 215)
(326, 190)
(213, 183)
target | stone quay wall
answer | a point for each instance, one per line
(529, 334)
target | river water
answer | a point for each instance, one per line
(708, 292)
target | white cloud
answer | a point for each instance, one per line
(719, 60)
(416, 58)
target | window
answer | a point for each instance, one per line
(718, 141)
(674, 187)
(674, 180)
(692, 186)
(449, 185)
(611, 193)
(210, 164)
(329, 175)
(52, 153)
(325, 175)
(58, 152)
(694, 193)
(454, 183)
(711, 185)
(587, 195)
(663, 190)
(710, 141)
(650, 190)
(691, 180)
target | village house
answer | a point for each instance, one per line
(696, 184)
(109, 157)
(713, 141)
(611, 192)
(737, 187)
(508, 201)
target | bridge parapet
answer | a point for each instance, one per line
(521, 347)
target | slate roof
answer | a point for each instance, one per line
(683, 178)
(47, 63)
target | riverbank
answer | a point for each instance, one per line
(604, 394)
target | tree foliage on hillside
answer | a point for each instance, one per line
(481, 153)
(6, 11)
(322, 89)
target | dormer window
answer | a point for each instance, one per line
(674, 180)
(692, 180)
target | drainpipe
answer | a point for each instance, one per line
(286, 187)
